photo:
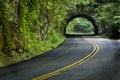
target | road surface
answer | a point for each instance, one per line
(105, 65)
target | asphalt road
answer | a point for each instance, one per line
(105, 65)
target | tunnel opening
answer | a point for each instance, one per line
(80, 27)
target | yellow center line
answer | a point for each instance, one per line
(92, 54)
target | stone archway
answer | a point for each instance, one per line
(83, 16)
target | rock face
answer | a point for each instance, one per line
(11, 38)
(25, 25)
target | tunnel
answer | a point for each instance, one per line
(89, 18)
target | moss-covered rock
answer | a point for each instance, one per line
(30, 27)
(12, 38)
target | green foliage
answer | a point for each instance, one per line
(39, 26)
(116, 19)
(109, 14)
(38, 19)
(80, 26)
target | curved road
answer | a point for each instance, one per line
(105, 65)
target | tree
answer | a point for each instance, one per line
(109, 13)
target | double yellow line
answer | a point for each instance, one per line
(92, 54)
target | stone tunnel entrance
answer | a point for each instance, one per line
(82, 16)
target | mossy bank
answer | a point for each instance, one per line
(29, 28)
